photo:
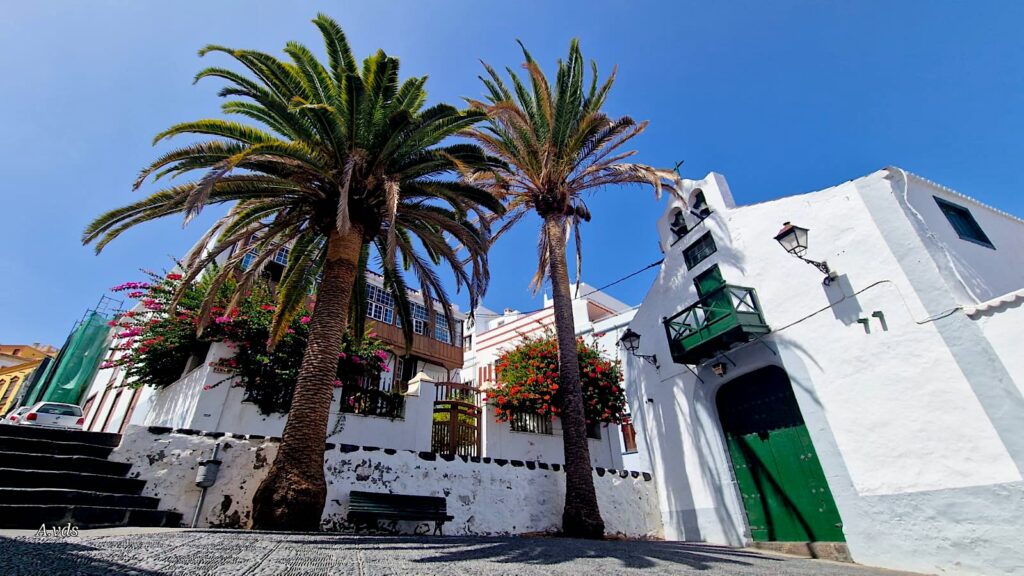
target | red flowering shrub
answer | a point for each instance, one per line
(153, 345)
(528, 382)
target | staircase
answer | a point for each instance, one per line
(55, 477)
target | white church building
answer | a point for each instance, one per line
(854, 379)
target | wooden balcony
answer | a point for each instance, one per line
(719, 320)
(423, 346)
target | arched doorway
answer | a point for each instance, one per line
(784, 491)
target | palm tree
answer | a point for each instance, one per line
(557, 144)
(346, 165)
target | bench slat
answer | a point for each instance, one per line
(378, 505)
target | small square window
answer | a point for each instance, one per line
(699, 251)
(963, 222)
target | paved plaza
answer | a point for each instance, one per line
(200, 552)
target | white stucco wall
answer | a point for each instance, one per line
(981, 272)
(501, 442)
(903, 438)
(485, 497)
(1002, 324)
(185, 404)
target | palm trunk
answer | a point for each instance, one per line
(581, 517)
(293, 494)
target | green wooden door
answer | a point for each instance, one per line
(783, 488)
(718, 303)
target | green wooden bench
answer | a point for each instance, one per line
(368, 507)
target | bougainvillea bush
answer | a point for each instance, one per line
(154, 344)
(528, 382)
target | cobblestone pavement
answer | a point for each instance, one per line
(196, 553)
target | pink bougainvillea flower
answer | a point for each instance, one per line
(289, 331)
(267, 307)
(136, 294)
(337, 383)
(173, 276)
(222, 319)
(304, 320)
(130, 286)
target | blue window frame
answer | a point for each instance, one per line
(281, 256)
(248, 259)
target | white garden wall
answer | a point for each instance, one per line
(486, 496)
(500, 441)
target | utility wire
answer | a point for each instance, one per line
(608, 285)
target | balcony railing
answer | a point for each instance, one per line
(721, 318)
(365, 399)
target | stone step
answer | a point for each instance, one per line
(88, 464)
(15, 478)
(30, 516)
(41, 446)
(60, 435)
(68, 497)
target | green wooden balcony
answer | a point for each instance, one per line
(720, 319)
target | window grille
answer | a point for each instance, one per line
(699, 251)
(530, 422)
(420, 318)
(281, 256)
(380, 305)
(441, 332)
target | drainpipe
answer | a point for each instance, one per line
(206, 476)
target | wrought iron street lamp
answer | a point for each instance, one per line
(631, 342)
(793, 239)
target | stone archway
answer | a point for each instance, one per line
(784, 491)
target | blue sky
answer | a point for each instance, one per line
(781, 97)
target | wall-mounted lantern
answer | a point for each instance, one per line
(794, 239)
(719, 368)
(631, 342)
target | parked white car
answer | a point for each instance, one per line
(15, 416)
(50, 415)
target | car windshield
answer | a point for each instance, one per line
(59, 410)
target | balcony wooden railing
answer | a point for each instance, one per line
(720, 319)
(458, 392)
(423, 346)
(365, 399)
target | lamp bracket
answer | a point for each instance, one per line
(822, 267)
(651, 359)
(723, 355)
(699, 379)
